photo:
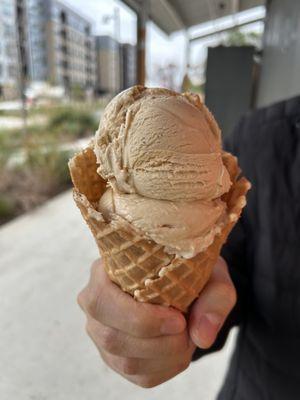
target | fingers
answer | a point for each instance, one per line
(119, 343)
(145, 343)
(147, 373)
(212, 307)
(108, 304)
(139, 366)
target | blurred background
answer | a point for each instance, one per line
(60, 64)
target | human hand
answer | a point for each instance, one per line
(149, 344)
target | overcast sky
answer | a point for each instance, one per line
(161, 49)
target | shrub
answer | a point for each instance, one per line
(43, 175)
(8, 144)
(72, 123)
(49, 162)
(7, 208)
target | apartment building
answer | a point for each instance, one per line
(61, 45)
(54, 42)
(108, 61)
(8, 50)
(129, 70)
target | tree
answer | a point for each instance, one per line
(238, 38)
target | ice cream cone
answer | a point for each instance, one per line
(138, 265)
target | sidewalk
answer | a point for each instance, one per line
(45, 352)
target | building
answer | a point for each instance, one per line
(129, 70)
(61, 45)
(108, 62)
(8, 50)
(279, 78)
(55, 44)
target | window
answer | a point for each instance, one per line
(63, 17)
(8, 8)
(12, 71)
(10, 51)
(8, 30)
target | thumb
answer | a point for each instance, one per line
(211, 309)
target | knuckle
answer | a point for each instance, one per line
(139, 324)
(95, 305)
(231, 295)
(228, 292)
(182, 344)
(147, 382)
(184, 365)
(130, 366)
(88, 328)
(95, 266)
(108, 360)
(81, 299)
(108, 340)
(91, 306)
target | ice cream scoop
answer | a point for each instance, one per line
(162, 145)
(161, 154)
(184, 228)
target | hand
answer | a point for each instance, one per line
(211, 309)
(147, 344)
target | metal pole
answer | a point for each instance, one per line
(141, 42)
(117, 23)
(187, 51)
(118, 52)
(21, 48)
(185, 79)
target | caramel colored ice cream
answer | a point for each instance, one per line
(161, 154)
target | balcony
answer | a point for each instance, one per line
(64, 49)
(63, 33)
(64, 64)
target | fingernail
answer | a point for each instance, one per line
(207, 329)
(172, 326)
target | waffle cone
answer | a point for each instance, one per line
(138, 265)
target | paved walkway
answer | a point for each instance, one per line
(44, 351)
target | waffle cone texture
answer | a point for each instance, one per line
(138, 265)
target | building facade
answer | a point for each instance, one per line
(8, 50)
(129, 70)
(44, 40)
(61, 45)
(108, 65)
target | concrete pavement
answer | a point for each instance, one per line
(45, 353)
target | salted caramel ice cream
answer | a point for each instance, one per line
(159, 194)
(161, 154)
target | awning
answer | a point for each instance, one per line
(174, 15)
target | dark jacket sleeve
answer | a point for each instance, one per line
(234, 252)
